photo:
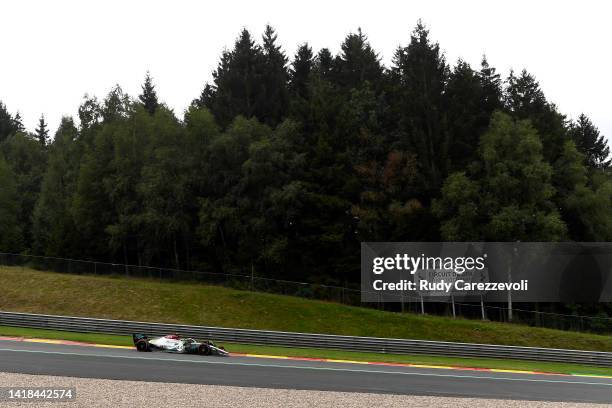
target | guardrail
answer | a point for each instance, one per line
(289, 339)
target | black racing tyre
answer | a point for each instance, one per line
(204, 350)
(142, 345)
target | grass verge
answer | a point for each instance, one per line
(329, 353)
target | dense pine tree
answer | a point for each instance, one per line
(491, 84)
(274, 101)
(591, 143)
(324, 63)
(525, 99)
(18, 123)
(148, 97)
(238, 81)
(301, 70)
(206, 98)
(27, 160)
(357, 62)
(53, 225)
(420, 75)
(7, 123)
(466, 114)
(42, 133)
(11, 238)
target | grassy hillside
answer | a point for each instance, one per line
(27, 290)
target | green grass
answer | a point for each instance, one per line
(27, 290)
(108, 339)
(329, 353)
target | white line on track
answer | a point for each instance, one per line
(310, 367)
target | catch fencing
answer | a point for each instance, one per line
(318, 291)
(288, 339)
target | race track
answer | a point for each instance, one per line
(125, 364)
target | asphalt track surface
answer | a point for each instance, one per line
(125, 364)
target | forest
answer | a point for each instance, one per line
(284, 164)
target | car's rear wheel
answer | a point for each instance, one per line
(142, 345)
(204, 350)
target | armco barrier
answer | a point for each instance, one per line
(288, 339)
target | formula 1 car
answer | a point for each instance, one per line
(173, 343)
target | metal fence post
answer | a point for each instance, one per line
(482, 309)
(252, 277)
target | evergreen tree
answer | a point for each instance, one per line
(53, 224)
(42, 133)
(420, 74)
(324, 63)
(491, 84)
(273, 103)
(301, 68)
(238, 81)
(206, 98)
(524, 99)
(7, 123)
(357, 62)
(467, 118)
(470, 97)
(27, 160)
(11, 239)
(18, 123)
(591, 143)
(149, 97)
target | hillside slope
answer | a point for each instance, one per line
(27, 290)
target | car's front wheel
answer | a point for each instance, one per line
(204, 350)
